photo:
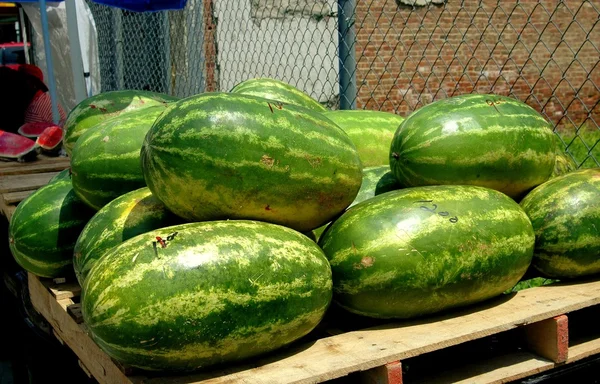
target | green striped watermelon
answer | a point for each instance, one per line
(106, 160)
(279, 91)
(228, 156)
(100, 107)
(376, 180)
(486, 140)
(44, 228)
(422, 250)
(65, 174)
(213, 292)
(371, 131)
(565, 213)
(126, 216)
(563, 165)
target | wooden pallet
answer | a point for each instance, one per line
(19, 180)
(375, 354)
(545, 319)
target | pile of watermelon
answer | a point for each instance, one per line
(222, 226)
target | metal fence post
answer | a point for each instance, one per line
(347, 55)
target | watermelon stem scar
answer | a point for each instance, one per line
(395, 155)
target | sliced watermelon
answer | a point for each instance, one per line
(17, 147)
(33, 130)
(50, 139)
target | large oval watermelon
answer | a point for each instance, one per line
(277, 90)
(222, 156)
(421, 250)
(44, 228)
(486, 140)
(565, 213)
(125, 217)
(371, 131)
(211, 292)
(102, 106)
(106, 160)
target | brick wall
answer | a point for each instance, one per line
(544, 53)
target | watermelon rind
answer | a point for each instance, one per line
(418, 251)
(17, 147)
(565, 213)
(50, 139)
(230, 156)
(95, 109)
(44, 228)
(277, 90)
(33, 130)
(487, 140)
(208, 293)
(105, 163)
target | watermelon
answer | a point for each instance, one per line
(376, 180)
(106, 160)
(418, 251)
(278, 91)
(44, 228)
(227, 156)
(127, 216)
(563, 165)
(17, 147)
(50, 139)
(65, 174)
(33, 130)
(208, 293)
(565, 213)
(486, 140)
(371, 131)
(100, 107)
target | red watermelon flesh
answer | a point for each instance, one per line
(33, 130)
(50, 138)
(13, 146)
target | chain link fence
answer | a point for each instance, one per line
(391, 55)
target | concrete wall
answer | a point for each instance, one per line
(293, 41)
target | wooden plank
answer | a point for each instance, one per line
(64, 291)
(74, 311)
(500, 369)
(15, 197)
(47, 164)
(583, 350)
(549, 338)
(84, 369)
(390, 373)
(96, 361)
(65, 303)
(16, 183)
(339, 355)
(8, 211)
